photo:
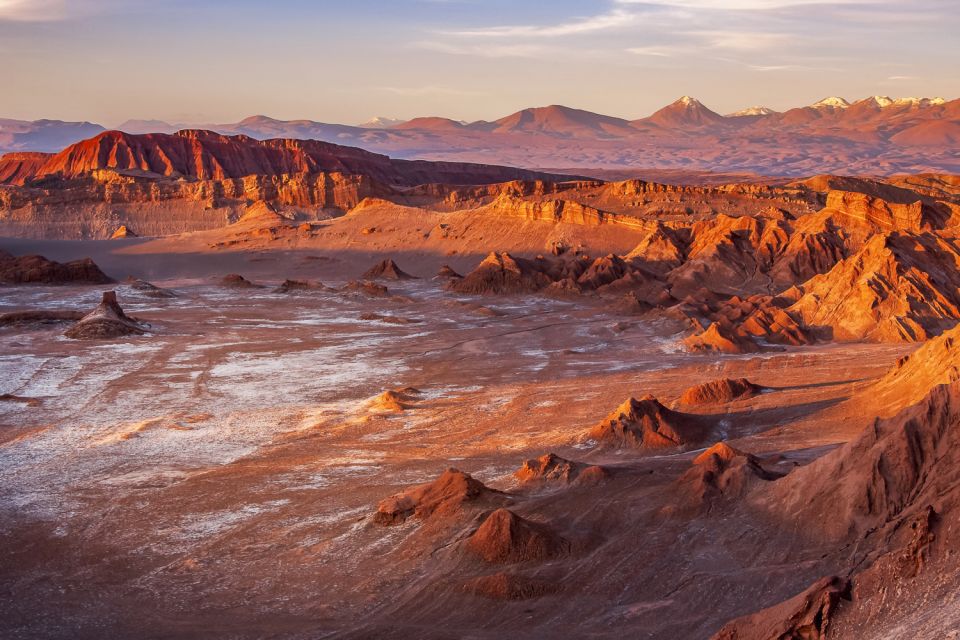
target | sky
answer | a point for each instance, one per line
(217, 61)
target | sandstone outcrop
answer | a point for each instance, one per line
(151, 290)
(122, 232)
(913, 376)
(551, 469)
(504, 537)
(237, 281)
(722, 472)
(897, 466)
(38, 318)
(898, 287)
(501, 273)
(39, 270)
(719, 391)
(647, 424)
(446, 272)
(387, 269)
(299, 286)
(366, 288)
(719, 340)
(206, 155)
(394, 401)
(443, 498)
(807, 616)
(106, 321)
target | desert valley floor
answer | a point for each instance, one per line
(220, 475)
(243, 437)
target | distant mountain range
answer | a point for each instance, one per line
(877, 135)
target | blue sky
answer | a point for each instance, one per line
(219, 61)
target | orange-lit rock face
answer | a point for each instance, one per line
(720, 391)
(15, 168)
(205, 155)
(443, 498)
(646, 423)
(504, 537)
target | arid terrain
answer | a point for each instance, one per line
(285, 388)
(878, 135)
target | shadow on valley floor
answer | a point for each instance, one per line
(118, 259)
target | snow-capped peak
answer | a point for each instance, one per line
(832, 101)
(752, 111)
(922, 102)
(687, 101)
(380, 122)
(886, 101)
(880, 101)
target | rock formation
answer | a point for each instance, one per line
(722, 472)
(913, 376)
(366, 288)
(719, 340)
(806, 616)
(548, 468)
(890, 500)
(207, 155)
(898, 287)
(106, 321)
(38, 318)
(151, 290)
(446, 272)
(443, 498)
(501, 273)
(122, 232)
(895, 467)
(647, 424)
(719, 392)
(299, 286)
(237, 281)
(387, 269)
(39, 270)
(394, 400)
(504, 537)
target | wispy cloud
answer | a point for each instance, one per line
(617, 18)
(56, 10)
(485, 50)
(740, 40)
(743, 5)
(33, 10)
(657, 52)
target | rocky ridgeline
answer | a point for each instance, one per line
(861, 268)
(35, 270)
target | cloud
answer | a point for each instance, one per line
(617, 18)
(742, 5)
(56, 10)
(741, 40)
(486, 50)
(898, 78)
(659, 52)
(32, 10)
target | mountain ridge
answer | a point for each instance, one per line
(876, 135)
